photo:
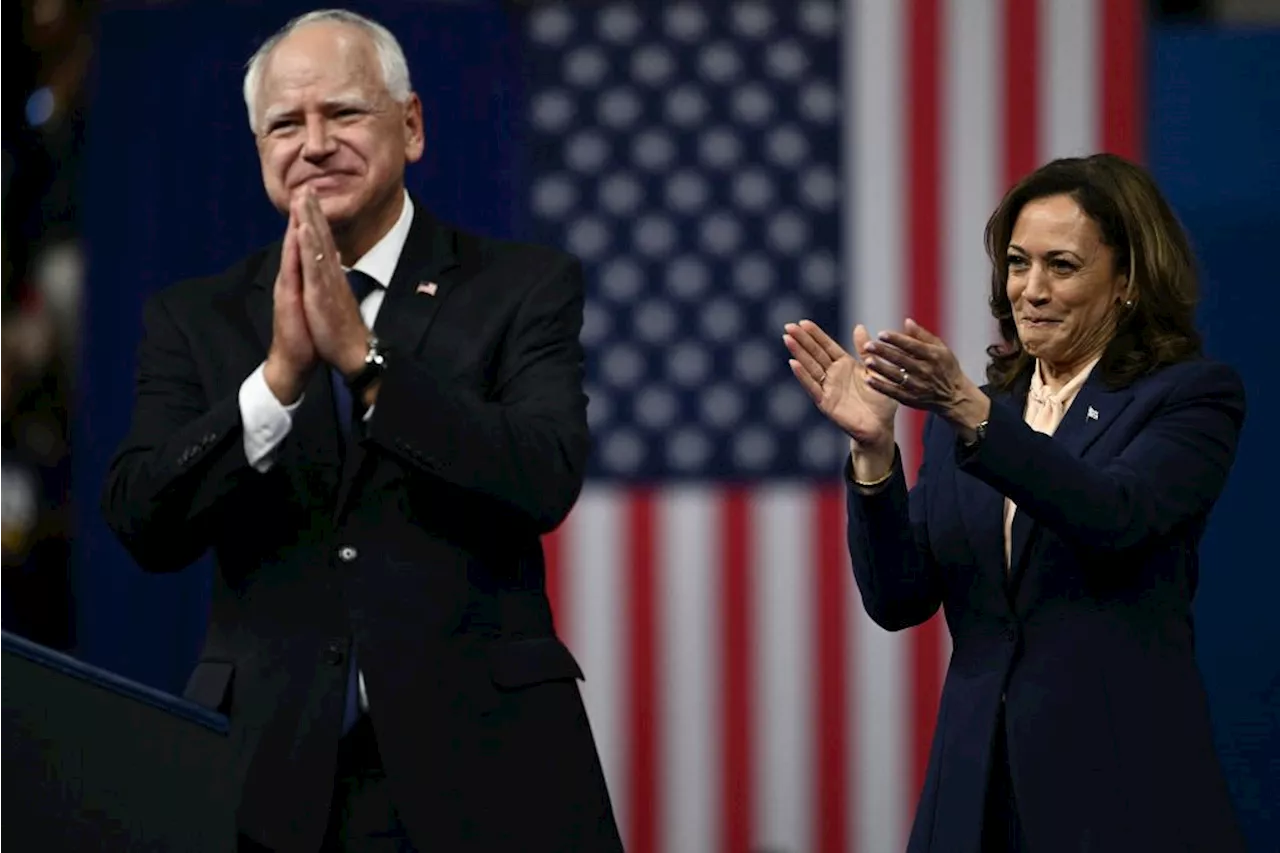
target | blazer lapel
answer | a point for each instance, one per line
(431, 267)
(261, 298)
(428, 271)
(1019, 537)
(1094, 409)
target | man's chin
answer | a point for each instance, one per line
(338, 210)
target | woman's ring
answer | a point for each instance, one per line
(902, 377)
(319, 257)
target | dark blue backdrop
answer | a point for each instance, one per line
(1214, 126)
(173, 190)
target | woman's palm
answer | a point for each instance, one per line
(837, 382)
(862, 412)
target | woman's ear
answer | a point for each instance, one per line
(1125, 295)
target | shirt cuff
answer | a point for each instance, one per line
(266, 422)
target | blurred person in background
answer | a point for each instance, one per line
(1056, 518)
(50, 50)
(48, 47)
(371, 422)
(38, 602)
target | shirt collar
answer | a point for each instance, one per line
(1064, 395)
(379, 263)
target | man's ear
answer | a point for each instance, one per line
(414, 134)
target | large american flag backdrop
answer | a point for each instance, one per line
(723, 168)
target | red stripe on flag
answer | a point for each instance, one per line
(736, 710)
(643, 727)
(923, 246)
(1020, 31)
(1121, 79)
(830, 747)
(552, 556)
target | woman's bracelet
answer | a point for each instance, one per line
(868, 485)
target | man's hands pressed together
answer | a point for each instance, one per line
(340, 334)
(292, 356)
(316, 317)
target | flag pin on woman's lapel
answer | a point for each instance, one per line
(428, 287)
(1091, 415)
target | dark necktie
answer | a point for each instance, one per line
(361, 285)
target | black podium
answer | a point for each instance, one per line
(96, 762)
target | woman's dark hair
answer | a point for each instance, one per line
(1149, 245)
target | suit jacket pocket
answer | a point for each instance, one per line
(210, 685)
(523, 663)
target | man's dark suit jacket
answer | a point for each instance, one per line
(1089, 643)
(421, 544)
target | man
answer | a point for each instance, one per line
(372, 473)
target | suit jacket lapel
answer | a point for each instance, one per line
(261, 299)
(1094, 409)
(428, 271)
(1019, 538)
(1091, 413)
(431, 266)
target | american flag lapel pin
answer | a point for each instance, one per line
(1091, 415)
(428, 287)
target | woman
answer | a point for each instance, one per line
(1056, 518)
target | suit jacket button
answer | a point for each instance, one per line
(346, 553)
(333, 653)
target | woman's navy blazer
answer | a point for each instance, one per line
(1088, 639)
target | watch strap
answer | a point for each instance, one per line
(979, 433)
(375, 363)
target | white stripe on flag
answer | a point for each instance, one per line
(594, 550)
(971, 144)
(782, 577)
(877, 683)
(873, 139)
(1070, 57)
(688, 631)
(878, 690)
(971, 176)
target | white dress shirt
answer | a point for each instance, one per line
(266, 421)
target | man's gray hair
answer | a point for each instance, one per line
(395, 71)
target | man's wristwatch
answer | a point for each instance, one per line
(375, 362)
